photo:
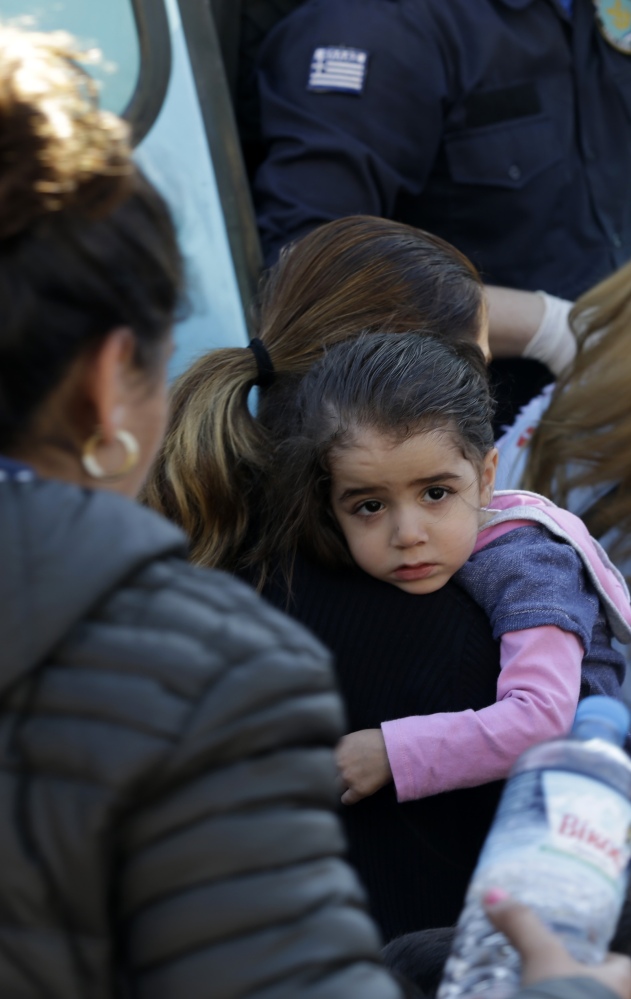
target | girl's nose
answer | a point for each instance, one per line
(409, 530)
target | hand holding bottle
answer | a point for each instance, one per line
(542, 953)
(560, 844)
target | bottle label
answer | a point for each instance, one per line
(566, 817)
(588, 821)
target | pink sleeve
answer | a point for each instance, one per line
(537, 695)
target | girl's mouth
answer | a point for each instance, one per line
(418, 571)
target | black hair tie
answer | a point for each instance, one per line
(265, 373)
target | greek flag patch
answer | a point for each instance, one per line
(336, 68)
(614, 21)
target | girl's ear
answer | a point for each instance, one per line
(487, 476)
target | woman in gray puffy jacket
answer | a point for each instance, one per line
(167, 825)
(167, 793)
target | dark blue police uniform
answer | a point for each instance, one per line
(502, 125)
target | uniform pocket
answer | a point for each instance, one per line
(507, 155)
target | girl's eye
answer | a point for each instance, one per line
(436, 493)
(369, 507)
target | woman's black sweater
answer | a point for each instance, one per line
(397, 655)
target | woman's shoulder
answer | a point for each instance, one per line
(211, 609)
(114, 597)
(209, 642)
(366, 619)
(162, 668)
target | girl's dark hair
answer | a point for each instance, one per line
(353, 274)
(86, 244)
(396, 384)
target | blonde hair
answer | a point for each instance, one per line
(353, 274)
(584, 437)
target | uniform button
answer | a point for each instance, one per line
(616, 239)
(514, 172)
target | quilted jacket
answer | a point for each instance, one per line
(167, 823)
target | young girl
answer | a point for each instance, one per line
(392, 464)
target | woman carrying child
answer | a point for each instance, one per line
(395, 655)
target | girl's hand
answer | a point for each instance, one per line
(543, 956)
(363, 764)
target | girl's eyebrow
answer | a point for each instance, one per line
(364, 490)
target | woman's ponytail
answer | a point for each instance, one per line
(214, 458)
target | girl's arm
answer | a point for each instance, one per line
(539, 683)
(537, 694)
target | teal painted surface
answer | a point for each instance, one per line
(108, 25)
(176, 157)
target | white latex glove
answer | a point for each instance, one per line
(554, 343)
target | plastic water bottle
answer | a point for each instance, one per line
(560, 842)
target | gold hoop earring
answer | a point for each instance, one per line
(91, 465)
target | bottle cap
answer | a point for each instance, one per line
(606, 713)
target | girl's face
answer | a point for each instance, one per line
(410, 511)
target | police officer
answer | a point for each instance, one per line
(502, 125)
